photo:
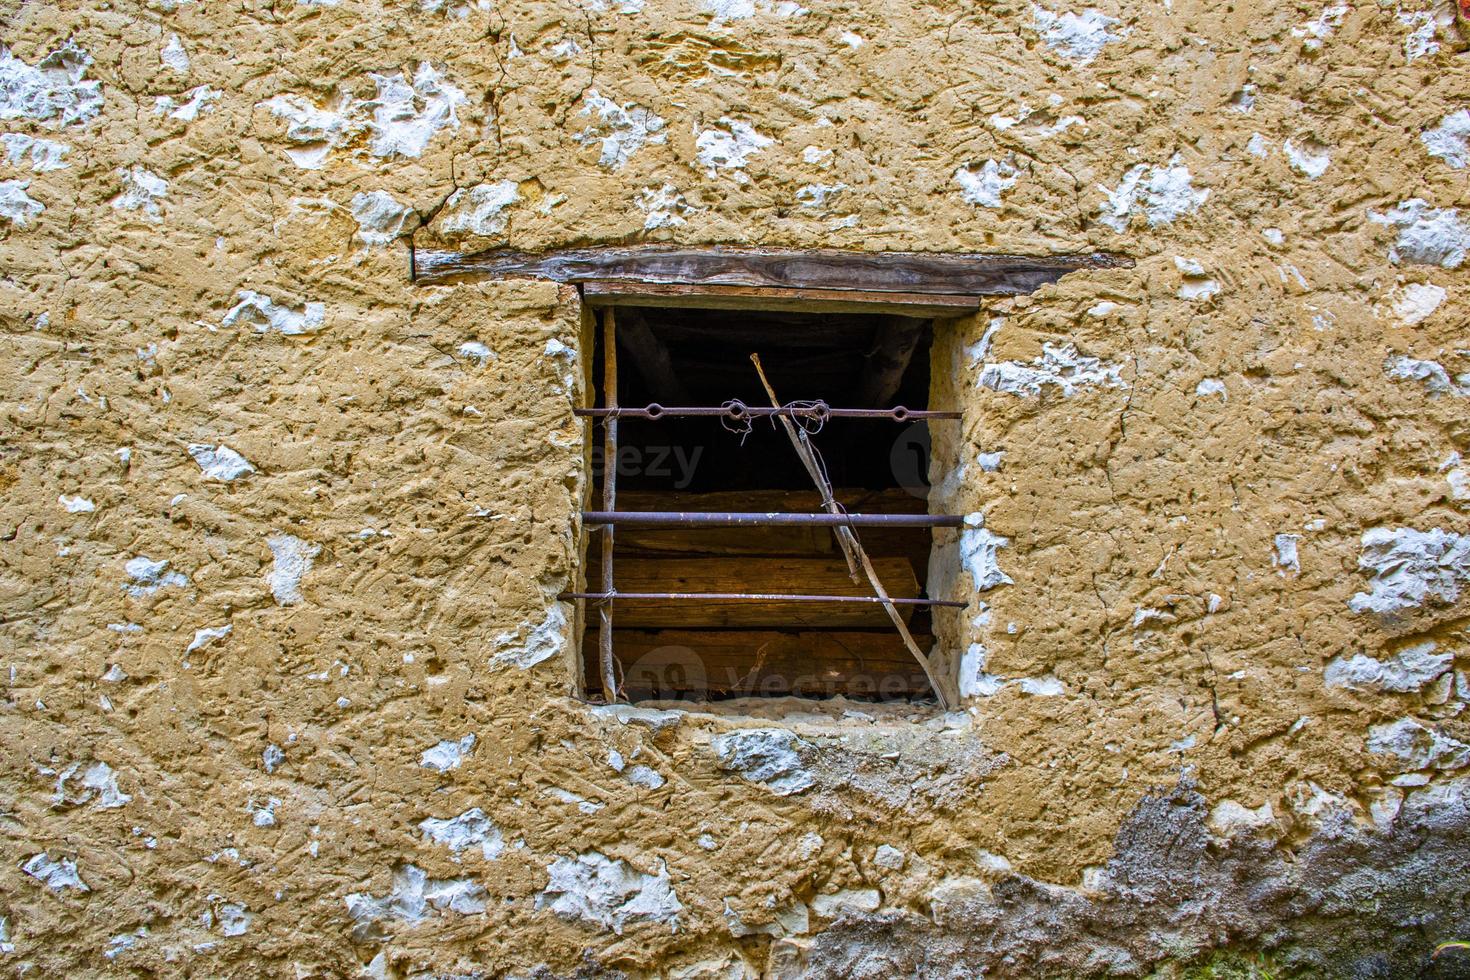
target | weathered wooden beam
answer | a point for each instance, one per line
(966, 274)
(795, 576)
(777, 298)
(893, 349)
(651, 357)
(761, 663)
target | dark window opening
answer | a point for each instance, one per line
(712, 649)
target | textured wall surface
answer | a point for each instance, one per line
(286, 689)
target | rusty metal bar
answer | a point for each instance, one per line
(609, 501)
(604, 597)
(662, 518)
(738, 411)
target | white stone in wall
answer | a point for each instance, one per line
(142, 190)
(1408, 670)
(817, 156)
(1450, 140)
(406, 114)
(984, 188)
(1423, 25)
(264, 814)
(204, 637)
(44, 154)
(402, 117)
(55, 875)
(97, 785)
(1286, 556)
(380, 218)
(471, 829)
(473, 350)
(644, 778)
(232, 918)
(1161, 194)
(833, 904)
(54, 90)
(1413, 302)
(447, 754)
(1243, 101)
(1309, 158)
(291, 559)
(266, 315)
(1415, 745)
(149, 576)
(974, 681)
(729, 147)
(888, 857)
(16, 206)
(1212, 386)
(314, 130)
(768, 756)
(120, 944)
(541, 642)
(622, 130)
(607, 892)
(413, 894)
(480, 210)
(195, 101)
(1232, 819)
(1060, 365)
(1195, 284)
(174, 57)
(1431, 374)
(1077, 37)
(76, 505)
(979, 554)
(454, 11)
(1410, 568)
(220, 462)
(1426, 235)
(1316, 31)
(664, 206)
(817, 195)
(726, 10)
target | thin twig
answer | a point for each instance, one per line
(849, 541)
(814, 469)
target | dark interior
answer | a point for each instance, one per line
(711, 650)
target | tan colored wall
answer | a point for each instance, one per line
(1167, 746)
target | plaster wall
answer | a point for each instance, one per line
(286, 691)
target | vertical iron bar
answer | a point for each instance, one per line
(609, 500)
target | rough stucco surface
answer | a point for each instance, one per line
(1215, 680)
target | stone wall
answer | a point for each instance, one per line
(286, 688)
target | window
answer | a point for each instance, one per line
(724, 605)
(696, 612)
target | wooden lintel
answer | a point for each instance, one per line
(776, 298)
(964, 274)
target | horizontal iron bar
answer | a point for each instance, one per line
(739, 410)
(756, 597)
(662, 518)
